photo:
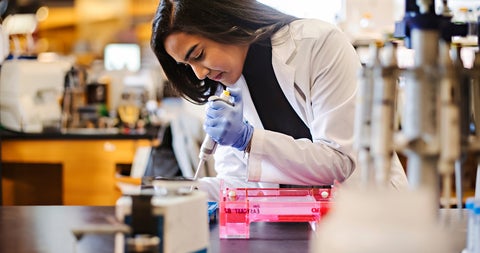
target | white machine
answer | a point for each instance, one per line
(30, 94)
(171, 219)
(174, 219)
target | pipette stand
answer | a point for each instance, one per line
(241, 206)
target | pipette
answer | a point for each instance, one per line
(209, 145)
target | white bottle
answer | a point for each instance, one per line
(461, 16)
(472, 27)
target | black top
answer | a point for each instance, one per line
(272, 106)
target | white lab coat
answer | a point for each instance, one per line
(317, 69)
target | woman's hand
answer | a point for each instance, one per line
(224, 122)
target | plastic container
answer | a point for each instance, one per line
(241, 206)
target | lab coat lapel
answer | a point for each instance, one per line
(283, 50)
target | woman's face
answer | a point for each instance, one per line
(208, 59)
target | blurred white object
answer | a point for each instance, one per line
(122, 56)
(379, 221)
(187, 137)
(181, 216)
(324, 10)
(365, 21)
(30, 94)
(4, 44)
(140, 161)
(20, 24)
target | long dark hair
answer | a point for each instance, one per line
(223, 21)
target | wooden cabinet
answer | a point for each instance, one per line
(87, 174)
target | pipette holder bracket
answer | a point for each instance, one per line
(241, 206)
(428, 21)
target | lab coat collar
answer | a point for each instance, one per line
(283, 45)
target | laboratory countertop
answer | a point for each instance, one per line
(81, 134)
(38, 229)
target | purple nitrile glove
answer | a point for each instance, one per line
(224, 122)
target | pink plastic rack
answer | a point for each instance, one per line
(241, 206)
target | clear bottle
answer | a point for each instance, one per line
(476, 227)
(472, 23)
(469, 206)
(460, 16)
(466, 17)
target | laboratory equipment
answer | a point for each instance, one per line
(441, 102)
(362, 124)
(174, 214)
(470, 206)
(73, 98)
(212, 211)
(30, 94)
(381, 220)
(169, 219)
(4, 41)
(209, 145)
(129, 113)
(241, 206)
(17, 26)
(473, 226)
(122, 56)
(476, 228)
(435, 124)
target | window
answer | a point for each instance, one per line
(326, 10)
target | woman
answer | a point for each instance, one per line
(293, 82)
